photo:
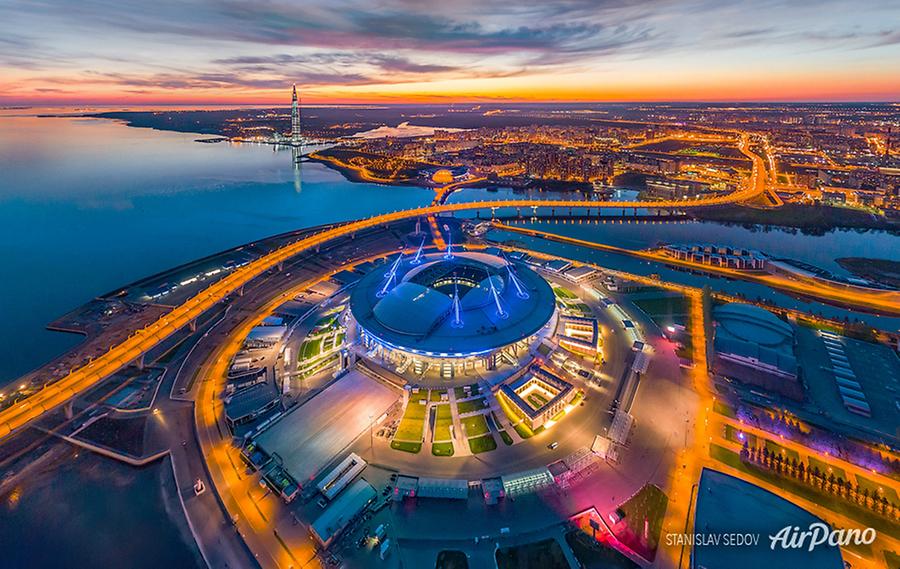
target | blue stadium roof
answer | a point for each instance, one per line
(415, 310)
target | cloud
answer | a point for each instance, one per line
(264, 44)
(381, 62)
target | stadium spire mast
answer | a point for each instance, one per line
(520, 290)
(390, 276)
(418, 258)
(500, 312)
(457, 316)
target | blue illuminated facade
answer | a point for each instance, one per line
(464, 305)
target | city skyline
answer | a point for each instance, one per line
(382, 284)
(404, 52)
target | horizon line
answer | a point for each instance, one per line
(447, 102)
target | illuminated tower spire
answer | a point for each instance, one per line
(500, 312)
(520, 290)
(457, 316)
(418, 258)
(295, 118)
(391, 276)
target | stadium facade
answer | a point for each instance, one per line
(451, 311)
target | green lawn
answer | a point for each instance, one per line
(482, 444)
(824, 499)
(563, 293)
(814, 462)
(524, 431)
(413, 422)
(474, 426)
(471, 405)
(536, 401)
(310, 349)
(435, 394)
(732, 435)
(442, 449)
(648, 504)
(507, 439)
(777, 448)
(662, 306)
(406, 447)
(865, 483)
(442, 421)
(723, 408)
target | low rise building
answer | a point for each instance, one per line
(718, 256)
(537, 396)
(340, 513)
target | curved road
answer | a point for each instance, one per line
(141, 340)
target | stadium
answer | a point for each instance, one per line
(451, 312)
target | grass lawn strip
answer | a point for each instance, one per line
(442, 449)
(412, 423)
(778, 449)
(873, 488)
(649, 504)
(474, 426)
(472, 405)
(442, 421)
(311, 349)
(406, 446)
(838, 472)
(482, 444)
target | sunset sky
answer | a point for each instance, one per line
(228, 52)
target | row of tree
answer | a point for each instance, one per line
(823, 481)
(853, 451)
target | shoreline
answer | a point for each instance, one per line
(809, 220)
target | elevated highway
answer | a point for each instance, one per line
(143, 339)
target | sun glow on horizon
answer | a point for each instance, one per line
(695, 50)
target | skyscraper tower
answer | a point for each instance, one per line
(295, 118)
